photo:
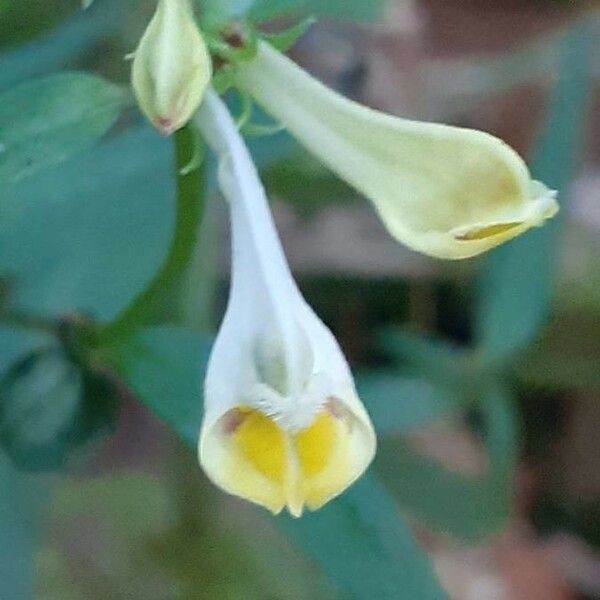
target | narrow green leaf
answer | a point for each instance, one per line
(467, 507)
(45, 121)
(515, 287)
(286, 39)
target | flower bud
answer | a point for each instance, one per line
(171, 67)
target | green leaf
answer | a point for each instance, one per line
(113, 209)
(165, 368)
(46, 121)
(515, 287)
(17, 571)
(63, 46)
(221, 11)
(49, 406)
(566, 357)
(360, 540)
(39, 398)
(364, 545)
(291, 178)
(440, 362)
(466, 507)
(16, 343)
(350, 9)
(28, 19)
(398, 403)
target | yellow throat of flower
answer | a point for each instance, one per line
(275, 467)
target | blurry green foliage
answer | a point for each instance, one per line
(516, 284)
(49, 406)
(149, 550)
(144, 358)
(62, 46)
(25, 19)
(398, 403)
(260, 10)
(87, 236)
(318, 188)
(21, 497)
(45, 121)
(473, 505)
(566, 355)
(113, 208)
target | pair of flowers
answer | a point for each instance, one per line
(283, 425)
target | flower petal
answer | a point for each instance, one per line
(445, 191)
(283, 425)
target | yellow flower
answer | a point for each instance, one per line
(283, 425)
(444, 191)
(171, 67)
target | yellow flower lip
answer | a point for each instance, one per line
(171, 67)
(283, 425)
(445, 191)
(252, 455)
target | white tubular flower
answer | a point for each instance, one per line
(171, 67)
(283, 425)
(444, 191)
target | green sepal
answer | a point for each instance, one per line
(286, 39)
(245, 115)
(198, 153)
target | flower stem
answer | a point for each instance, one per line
(161, 293)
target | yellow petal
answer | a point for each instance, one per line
(171, 67)
(445, 191)
(250, 455)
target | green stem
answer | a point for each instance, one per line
(163, 289)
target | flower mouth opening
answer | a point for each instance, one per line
(296, 467)
(481, 233)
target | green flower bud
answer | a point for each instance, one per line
(171, 67)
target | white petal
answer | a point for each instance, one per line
(283, 424)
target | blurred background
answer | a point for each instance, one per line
(482, 376)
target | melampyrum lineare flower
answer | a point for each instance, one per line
(171, 67)
(283, 425)
(444, 191)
